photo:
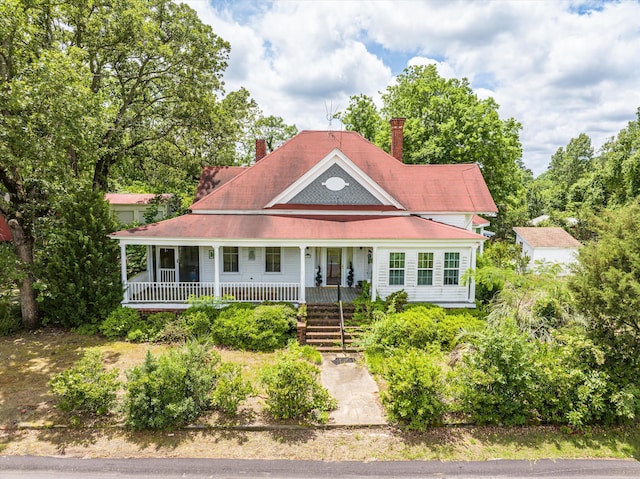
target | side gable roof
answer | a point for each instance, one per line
(419, 188)
(551, 237)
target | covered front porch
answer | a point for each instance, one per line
(168, 276)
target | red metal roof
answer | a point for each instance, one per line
(132, 198)
(419, 188)
(205, 226)
(5, 232)
(478, 221)
(214, 177)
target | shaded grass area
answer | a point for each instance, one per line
(28, 361)
(329, 444)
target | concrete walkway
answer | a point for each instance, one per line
(354, 388)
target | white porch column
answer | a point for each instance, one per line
(303, 274)
(472, 281)
(123, 272)
(374, 273)
(216, 270)
(149, 263)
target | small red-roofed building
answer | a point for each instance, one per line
(547, 245)
(131, 207)
(325, 209)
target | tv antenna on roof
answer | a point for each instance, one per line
(331, 113)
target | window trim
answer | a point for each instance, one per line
(455, 269)
(229, 252)
(421, 269)
(266, 259)
(394, 266)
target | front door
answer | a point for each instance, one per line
(334, 266)
(167, 265)
(189, 264)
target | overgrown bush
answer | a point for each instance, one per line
(119, 322)
(127, 323)
(231, 389)
(263, 328)
(171, 390)
(396, 302)
(415, 397)
(148, 328)
(197, 322)
(494, 382)
(293, 389)
(419, 327)
(9, 318)
(87, 387)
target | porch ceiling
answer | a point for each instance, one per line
(196, 226)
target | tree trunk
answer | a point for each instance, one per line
(23, 244)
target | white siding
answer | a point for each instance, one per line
(254, 269)
(437, 293)
(460, 220)
(207, 273)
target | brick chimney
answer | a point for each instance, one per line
(397, 125)
(261, 149)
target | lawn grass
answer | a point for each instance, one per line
(27, 409)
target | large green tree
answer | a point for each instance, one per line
(91, 88)
(606, 285)
(446, 123)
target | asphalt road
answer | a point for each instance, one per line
(21, 467)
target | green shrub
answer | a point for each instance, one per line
(171, 390)
(415, 397)
(197, 322)
(174, 331)
(414, 328)
(494, 382)
(453, 325)
(263, 328)
(10, 322)
(422, 326)
(396, 302)
(87, 387)
(231, 389)
(575, 389)
(119, 322)
(293, 389)
(150, 327)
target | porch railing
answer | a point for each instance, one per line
(170, 292)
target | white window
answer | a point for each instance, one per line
(425, 269)
(396, 269)
(273, 260)
(451, 269)
(230, 259)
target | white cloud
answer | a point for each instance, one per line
(560, 68)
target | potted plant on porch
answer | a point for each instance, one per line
(319, 277)
(350, 275)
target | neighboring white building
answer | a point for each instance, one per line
(131, 207)
(551, 245)
(327, 208)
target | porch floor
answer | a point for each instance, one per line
(330, 295)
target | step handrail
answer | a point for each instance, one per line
(341, 325)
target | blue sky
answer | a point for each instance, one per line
(560, 68)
